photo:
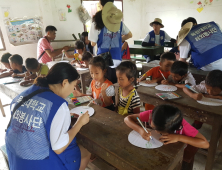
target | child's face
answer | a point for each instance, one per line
(177, 77)
(154, 128)
(123, 79)
(79, 51)
(7, 65)
(14, 66)
(166, 65)
(213, 90)
(156, 27)
(86, 40)
(97, 73)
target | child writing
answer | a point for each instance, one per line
(16, 62)
(168, 121)
(99, 84)
(179, 75)
(129, 100)
(8, 71)
(37, 69)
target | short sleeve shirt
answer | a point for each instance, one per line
(189, 79)
(155, 73)
(17, 71)
(43, 70)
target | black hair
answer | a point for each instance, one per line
(167, 118)
(79, 45)
(98, 62)
(50, 28)
(87, 56)
(179, 67)
(5, 57)
(16, 59)
(103, 2)
(214, 79)
(189, 19)
(31, 63)
(129, 69)
(57, 74)
(97, 18)
(83, 35)
(167, 56)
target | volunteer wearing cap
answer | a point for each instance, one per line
(108, 31)
(205, 43)
(156, 37)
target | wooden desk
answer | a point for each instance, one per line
(207, 114)
(166, 44)
(151, 51)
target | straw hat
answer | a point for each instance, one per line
(111, 17)
(157, 20)
(184, 32)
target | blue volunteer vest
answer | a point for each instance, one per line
(206, 44)
(105, 39)
(28, 137)
(152, 37)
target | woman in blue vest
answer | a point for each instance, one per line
(205, 43)
(39, 136)
(156, 37)
(108, 32)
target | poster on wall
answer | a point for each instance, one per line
(24, 31)
(62, 14)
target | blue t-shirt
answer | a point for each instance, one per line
(17, 71)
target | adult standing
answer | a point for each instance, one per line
(39, 135)
(108, 32)
(45, 52)
(205, 43)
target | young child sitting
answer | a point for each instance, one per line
(168, 121)
(37, 69)
(99, 84)
(8, 71)
(129, 100)
(85, 39)
(16, 62)
(179, 75)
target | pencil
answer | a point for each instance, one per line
(143, 127)
(162, 74)
(142, 76)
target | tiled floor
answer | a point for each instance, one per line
(199, 163)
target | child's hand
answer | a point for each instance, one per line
(25, 83)
(197, 96)
(66, 48)
(104, 87)
(63, 51)
(14, 75)
(169, 138)
(78, 65)
(83, 118)
(76, 93)
(164, 82)
(72, 62)
(145, 135)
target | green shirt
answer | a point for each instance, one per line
(43, 70)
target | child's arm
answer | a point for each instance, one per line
(6, 74)
(107, 100)
(24, 83)
(77, 93)
(143, 77)
(32, 76)
(2, 70)
(67, 54)
(213, 97)
(136, 110)
(18, 75)
(158, 80)
(195, 96)
(198, 141)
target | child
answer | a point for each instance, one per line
(16, 62)
(8, 71)
(179, 75)
(168, 121)
(129, 100)
(89, 47)
(99, 84)
(80, 49)
(37, 69)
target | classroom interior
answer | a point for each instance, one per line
(137, 14)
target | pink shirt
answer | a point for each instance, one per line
(187, 130)
(43, 45)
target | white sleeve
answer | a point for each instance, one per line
(93, 33)
(147, 38)
(59, 136)
(184, 49)
(167, 37)
(190, 79)
(125, 30)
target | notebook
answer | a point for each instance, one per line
(169, 95)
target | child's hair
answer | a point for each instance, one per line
(98, 62)
(50, 28)
(189, 19)
(57, 74)
(103, 2)
(83, 35)
(167, 56)
(79, 45)
(97, 18)
(129, 69)
(179, 67)
(87, 56)
(31, 63)
(167, 118)
(5, 57)
(214, 79)
(17, 59)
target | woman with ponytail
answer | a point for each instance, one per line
(39, 135)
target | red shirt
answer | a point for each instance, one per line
(187, 130)
(155, 73)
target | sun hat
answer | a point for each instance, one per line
(111, 17)
(184, 31)
(157, 21)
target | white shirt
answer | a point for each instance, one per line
(185, 49)
(189, 79)
(157, 38)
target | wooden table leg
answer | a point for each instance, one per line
(215, 135)
(83, 83)
(2, 109)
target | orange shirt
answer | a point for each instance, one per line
(97, 94)
(155, 73)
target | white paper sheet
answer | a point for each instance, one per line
(142, 83)
(166, 88)
(136, 139)
(81, 69)
(210, 101)
(83, 109)
(12, 80)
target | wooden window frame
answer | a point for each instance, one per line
(3, 42)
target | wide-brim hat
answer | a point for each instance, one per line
(157, 21)
(184, 31)
(111, 17)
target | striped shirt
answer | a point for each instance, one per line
(135, 102)
(43, 45)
